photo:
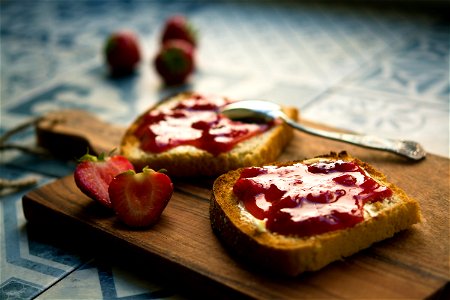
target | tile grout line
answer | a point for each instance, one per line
(46, 289)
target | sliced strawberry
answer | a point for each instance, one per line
(177, 27)
(140, 198)
(93, 175)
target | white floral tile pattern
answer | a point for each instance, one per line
(385, 115)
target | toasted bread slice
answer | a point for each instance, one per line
(248, 237)
(186, 160)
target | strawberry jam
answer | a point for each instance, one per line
(305, 200)
(195, 121)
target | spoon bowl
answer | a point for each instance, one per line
(260, 111)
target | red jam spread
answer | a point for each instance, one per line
(305, 200)
(195, 121)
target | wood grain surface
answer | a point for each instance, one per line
(412, 264)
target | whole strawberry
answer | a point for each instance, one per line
(175, 61)
(94, 174)
(179, 28)
(122, 52)
(140, 198)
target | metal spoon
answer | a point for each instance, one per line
(265, 111)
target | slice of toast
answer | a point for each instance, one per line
(249, 238)
(187, 160)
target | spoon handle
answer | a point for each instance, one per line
(409, 149)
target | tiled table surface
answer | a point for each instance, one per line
(375, 70)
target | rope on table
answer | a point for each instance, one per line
(4, 145)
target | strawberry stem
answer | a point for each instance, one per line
(175, 60)
(101, 157)
(147, 169)
(90, 157)
(129, 172)
(112, 152)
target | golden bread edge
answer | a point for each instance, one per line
(291, 255)
(189, 161)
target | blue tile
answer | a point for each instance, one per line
(29, 264)
(26, 108)
(15, 288)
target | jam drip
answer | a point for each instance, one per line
(195, 122)
(305, 200)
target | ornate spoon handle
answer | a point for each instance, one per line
(408, 149)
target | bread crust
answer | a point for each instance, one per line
(293, 255)
(184, 161)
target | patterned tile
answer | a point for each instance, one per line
(66, 35)
(15, 288)
(418, 68)
(97, 280)
(384, 115)
(27, 264)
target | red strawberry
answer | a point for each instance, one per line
(179, 28)
(93, 175)
(175, 61)
(140, 198)
(122, 52)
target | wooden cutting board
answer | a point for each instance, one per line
(412, 264)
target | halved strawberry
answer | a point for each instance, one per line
(93, 175)
(140, 198)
